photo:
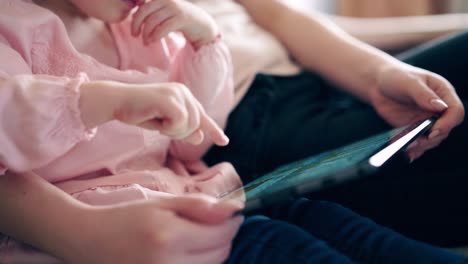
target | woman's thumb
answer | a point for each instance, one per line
(438, 104)
(428, 100)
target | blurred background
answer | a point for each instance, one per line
(394, 25)
(386, 8)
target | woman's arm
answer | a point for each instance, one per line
(158, 231)
(400, 93)
(38, 213)
(319, 45)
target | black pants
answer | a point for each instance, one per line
(282, 119)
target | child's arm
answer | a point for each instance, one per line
(43, 117)
(203, 64)
(208, 74)
(39, 119)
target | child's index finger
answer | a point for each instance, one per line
(212, 129)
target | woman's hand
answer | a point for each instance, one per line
(406, 94)
(157, 18)
(169, 108)
(172, 229)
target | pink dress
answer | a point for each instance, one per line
(41, 128)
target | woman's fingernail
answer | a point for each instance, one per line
(434, 134)
(414, 157)
(441, 105)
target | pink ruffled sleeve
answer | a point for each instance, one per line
(207, 72)
(39, 115)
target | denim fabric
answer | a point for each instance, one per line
(305, 231)
(285, 118)
(282, 119)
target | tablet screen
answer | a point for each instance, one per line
(309, 174)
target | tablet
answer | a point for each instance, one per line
(328, 168)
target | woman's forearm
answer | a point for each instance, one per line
(37, 213)
(319, 45)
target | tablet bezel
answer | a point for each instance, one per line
(366, 166)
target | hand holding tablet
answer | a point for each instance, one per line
(329, 168)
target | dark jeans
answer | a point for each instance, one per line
(282, 119)
(305, 231)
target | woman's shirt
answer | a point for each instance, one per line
(253, 49)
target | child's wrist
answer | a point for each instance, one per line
(98, 102)
(200, 43)
(211, 35)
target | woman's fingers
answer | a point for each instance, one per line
(214, 256)
(454, 113)
(199, 208)
(213, 236)
(434, 94)
(424, 144)
(451, 117)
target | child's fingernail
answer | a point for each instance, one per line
(439, 104)
(197, 138)
(225, 139)
(434, 134)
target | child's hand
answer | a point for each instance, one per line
(172, 229)
(169, 108)
(157, 18)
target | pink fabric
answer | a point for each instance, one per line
(41, 128)
(253, 49)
